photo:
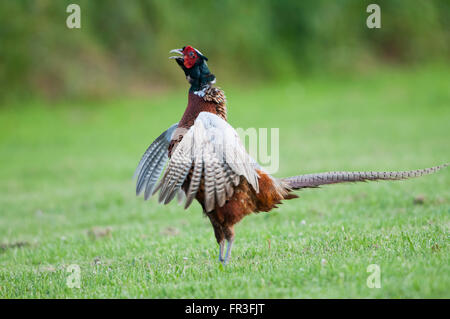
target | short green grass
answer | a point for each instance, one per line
(65, 181)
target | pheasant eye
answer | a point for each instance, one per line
(191, 54)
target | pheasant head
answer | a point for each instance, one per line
(195, 68)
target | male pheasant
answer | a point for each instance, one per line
(207, 161)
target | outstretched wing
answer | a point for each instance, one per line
(152, 162)
(211, 148)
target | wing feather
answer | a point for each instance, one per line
(155, 175)
(195, 179)
(152, 162)
(209, 179)
(148, 167)
(212, 151)
(219, 184)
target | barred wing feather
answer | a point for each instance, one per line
(152, 162)
(212, 150)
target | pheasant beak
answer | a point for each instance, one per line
(179, 51)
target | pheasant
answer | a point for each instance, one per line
(206, 161)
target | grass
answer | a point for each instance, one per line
(66, 197)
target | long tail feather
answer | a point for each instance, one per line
(318, 179)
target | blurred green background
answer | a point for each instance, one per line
(122, 47)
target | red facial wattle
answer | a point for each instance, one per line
(190, 56)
